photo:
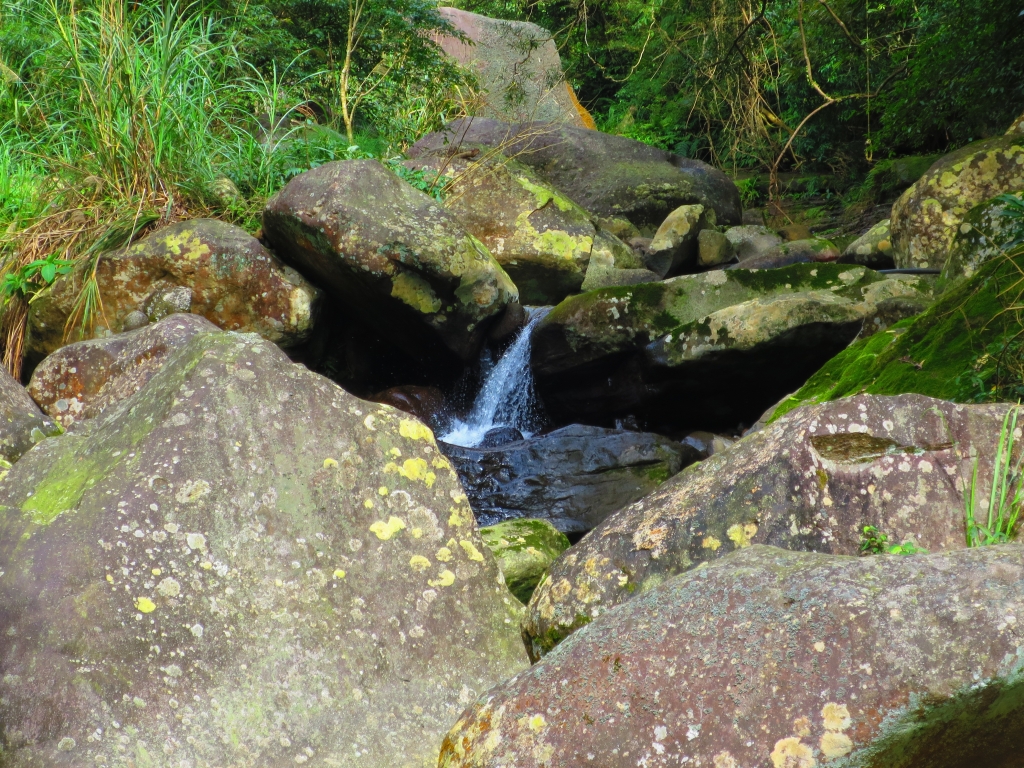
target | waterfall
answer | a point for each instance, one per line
(506, 397)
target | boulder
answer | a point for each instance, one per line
(524, 549)
(607, 277)
(203, 266)
(985, 233)
(793, 232)
(610, 176)
(23, 424)
(428, 404)
(713, 248)
(794, 252)
(389, 255)
(707, 351)
(927, 216)
(80, 381)
(809, 481)
(517, 66)
(543, 240)
(674, 246)
(1017, 129)
(243, 565)
(873, 249)
(573, 477)
(773, 658)
(749, 240)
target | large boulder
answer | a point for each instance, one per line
(204, 266)
(872, 249)
(543, 240)
(927, 216)
(22, 424)
(675, 246)
(810, 481)
(610, 176)
(574, 477)
(524, 550)
(704, 351)
(81, 380)
(806, 251)
(242, 565)
(986, 233)
(750, 240)
(785, 659)
(517, 67)
(389, 255)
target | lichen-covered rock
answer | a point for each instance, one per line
(607, 277)
(204, 266)
(809, 481)
(674, 246)
(872, 249)
(985, 233)
(543, 240)
(524, 549)
(927, 216)
(806, 251)
(703, 351)
(713, 248)
(1017, 128)
(750, 240)
(574, 476)
(937, 353)
(242, 565)
(610, 176)
(81, 380)
(390, 256)
(785, 659)
(22, 424)
(517, 66)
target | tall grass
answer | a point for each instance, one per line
(1006, 494)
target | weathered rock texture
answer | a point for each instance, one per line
(22, 424)
(80, 381)
(574, 476)
(985, 233)
(749, 240)
(778, 659)
(543, 240)
(928, 215)
(524, 550)
(674, 247)
(244, 565)
(203, 266)
(390, 256)
(793, 252)
(1017, 128)
(809, 481)
(607, 175)
(703, 351)
(872, 249)
(517, 66)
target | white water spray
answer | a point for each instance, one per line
(506, 398)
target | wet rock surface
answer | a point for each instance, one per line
(809, 481)
(243, 565)
(573, 477)
(390, 256)
(609, 176)
(22, 424)
(784, 659)
(81, 380)
(203, 266)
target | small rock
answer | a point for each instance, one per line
(751, 240)
(676, 238)
(753, 216)
(524, 549)
(714, 248)
(500, 436)
(164, 303)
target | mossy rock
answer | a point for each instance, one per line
(986, 233)
(928, 354)
(524, 550)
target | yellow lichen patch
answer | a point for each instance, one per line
(444, 555)
(537, 723)
(419, 563)
(458, 517)
(444, 579)
(383, 490)
(471, 552)
(742, 534)
(370, 422)
(834, 745)
(368, 504)
(394, 452)
(329, 462)
(725, 760)
(710, 542)
(561, 589)
(836, 717)
(413, 469)
(339, 574)
(819, 647)
(417, 533)
(414, 430)
(802, 726)
(416, 292)
(440, 462)
(155, 572)
(186, 244)
(792, 753)
(145, 605)
(385, 531)
(110, 578)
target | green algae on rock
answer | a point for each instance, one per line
(243, 565)
(986, 233)
(389, 255)
(524, 548)
(810, 481)
(775, 658)
(216, 269)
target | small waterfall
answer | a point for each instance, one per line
(506, 398)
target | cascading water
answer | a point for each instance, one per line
(506, 398)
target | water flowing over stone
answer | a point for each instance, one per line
(506, 398)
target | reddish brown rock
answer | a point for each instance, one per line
(203, 266)
(80, 381)
(810, 481)
(774, 659)
(425, 403)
